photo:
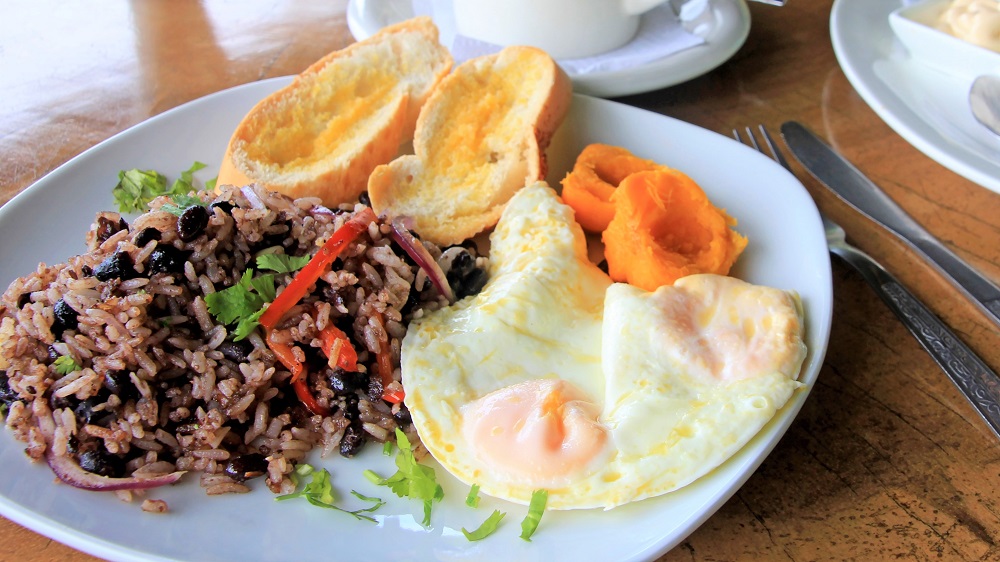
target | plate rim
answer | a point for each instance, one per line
(686, 65)
(858, 67)
(772, 432)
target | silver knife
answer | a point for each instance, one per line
(973, 377)
(841, 177)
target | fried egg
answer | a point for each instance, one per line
(601, 393)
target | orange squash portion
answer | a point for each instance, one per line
(598, 171)
(665, 228)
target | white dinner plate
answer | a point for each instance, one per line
(723, 37)
(926, 106)
(47, 222)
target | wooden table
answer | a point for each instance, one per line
(886, 459)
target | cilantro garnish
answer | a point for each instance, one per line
(412, 479)
(136, 188)
(319, 492)
(487, 528)
(282, 263)
(240, 304)
(65, 365)
(536, 507)
(243, 303)
(472, 500)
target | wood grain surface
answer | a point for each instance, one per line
(886, 460)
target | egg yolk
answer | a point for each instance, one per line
(541, 430)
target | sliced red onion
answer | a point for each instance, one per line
(415, 248)
(70, 472)
(251, 194)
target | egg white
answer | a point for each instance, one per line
(668, 401)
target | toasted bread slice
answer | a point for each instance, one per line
(324, 133)
(479, 139)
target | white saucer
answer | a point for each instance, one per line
(722, 39)
(926, 106)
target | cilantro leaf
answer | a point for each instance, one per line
(136, 188)
(536, 507)
(65, 365)
(472, 500)
(184, 184)
(181, 202)
(319, 492)
(240, 304)
(487, 528)
(282, 263)
(412, 479)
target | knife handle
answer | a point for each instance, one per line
(971, 375)
(978, 288)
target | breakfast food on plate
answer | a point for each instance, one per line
(601, 393)
(665, 228)
(588, 187)
(481, 137)
(975, 21)
(156, 351)
(656, 223)
(322, 135)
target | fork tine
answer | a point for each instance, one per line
(774, 148)
(775, 155)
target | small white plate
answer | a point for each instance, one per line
(722, 38)
(926, 106)
(47, 222)
(914, 26)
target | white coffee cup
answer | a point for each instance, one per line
(566, 29)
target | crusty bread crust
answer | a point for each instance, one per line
(480, 138)
(323, 134)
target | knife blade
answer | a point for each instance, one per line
(851, 186)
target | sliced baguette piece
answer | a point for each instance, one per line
(479, 139)
(323, 134)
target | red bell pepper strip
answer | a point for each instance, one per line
(317, 266)
(302, 391)
(384, 360)
(347, 357)
(287, 358)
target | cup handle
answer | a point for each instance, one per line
(633, 7)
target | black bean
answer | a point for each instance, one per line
(120, 384)
(115, 266)
(146, 236)
(365, 199)
(402, 417)
(7, 394)
(86, 270)
(237, 352)
(375, 387)
(104, 464)
(84, 412)
(342, 382)
(244, 467)
(192, 222)
(224, 206)
(351, 412)
(471, 284)
(167, 259)
(461, 266)
(352, 441)
(65, 318)
(106, 228)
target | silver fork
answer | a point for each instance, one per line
(971, 375)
